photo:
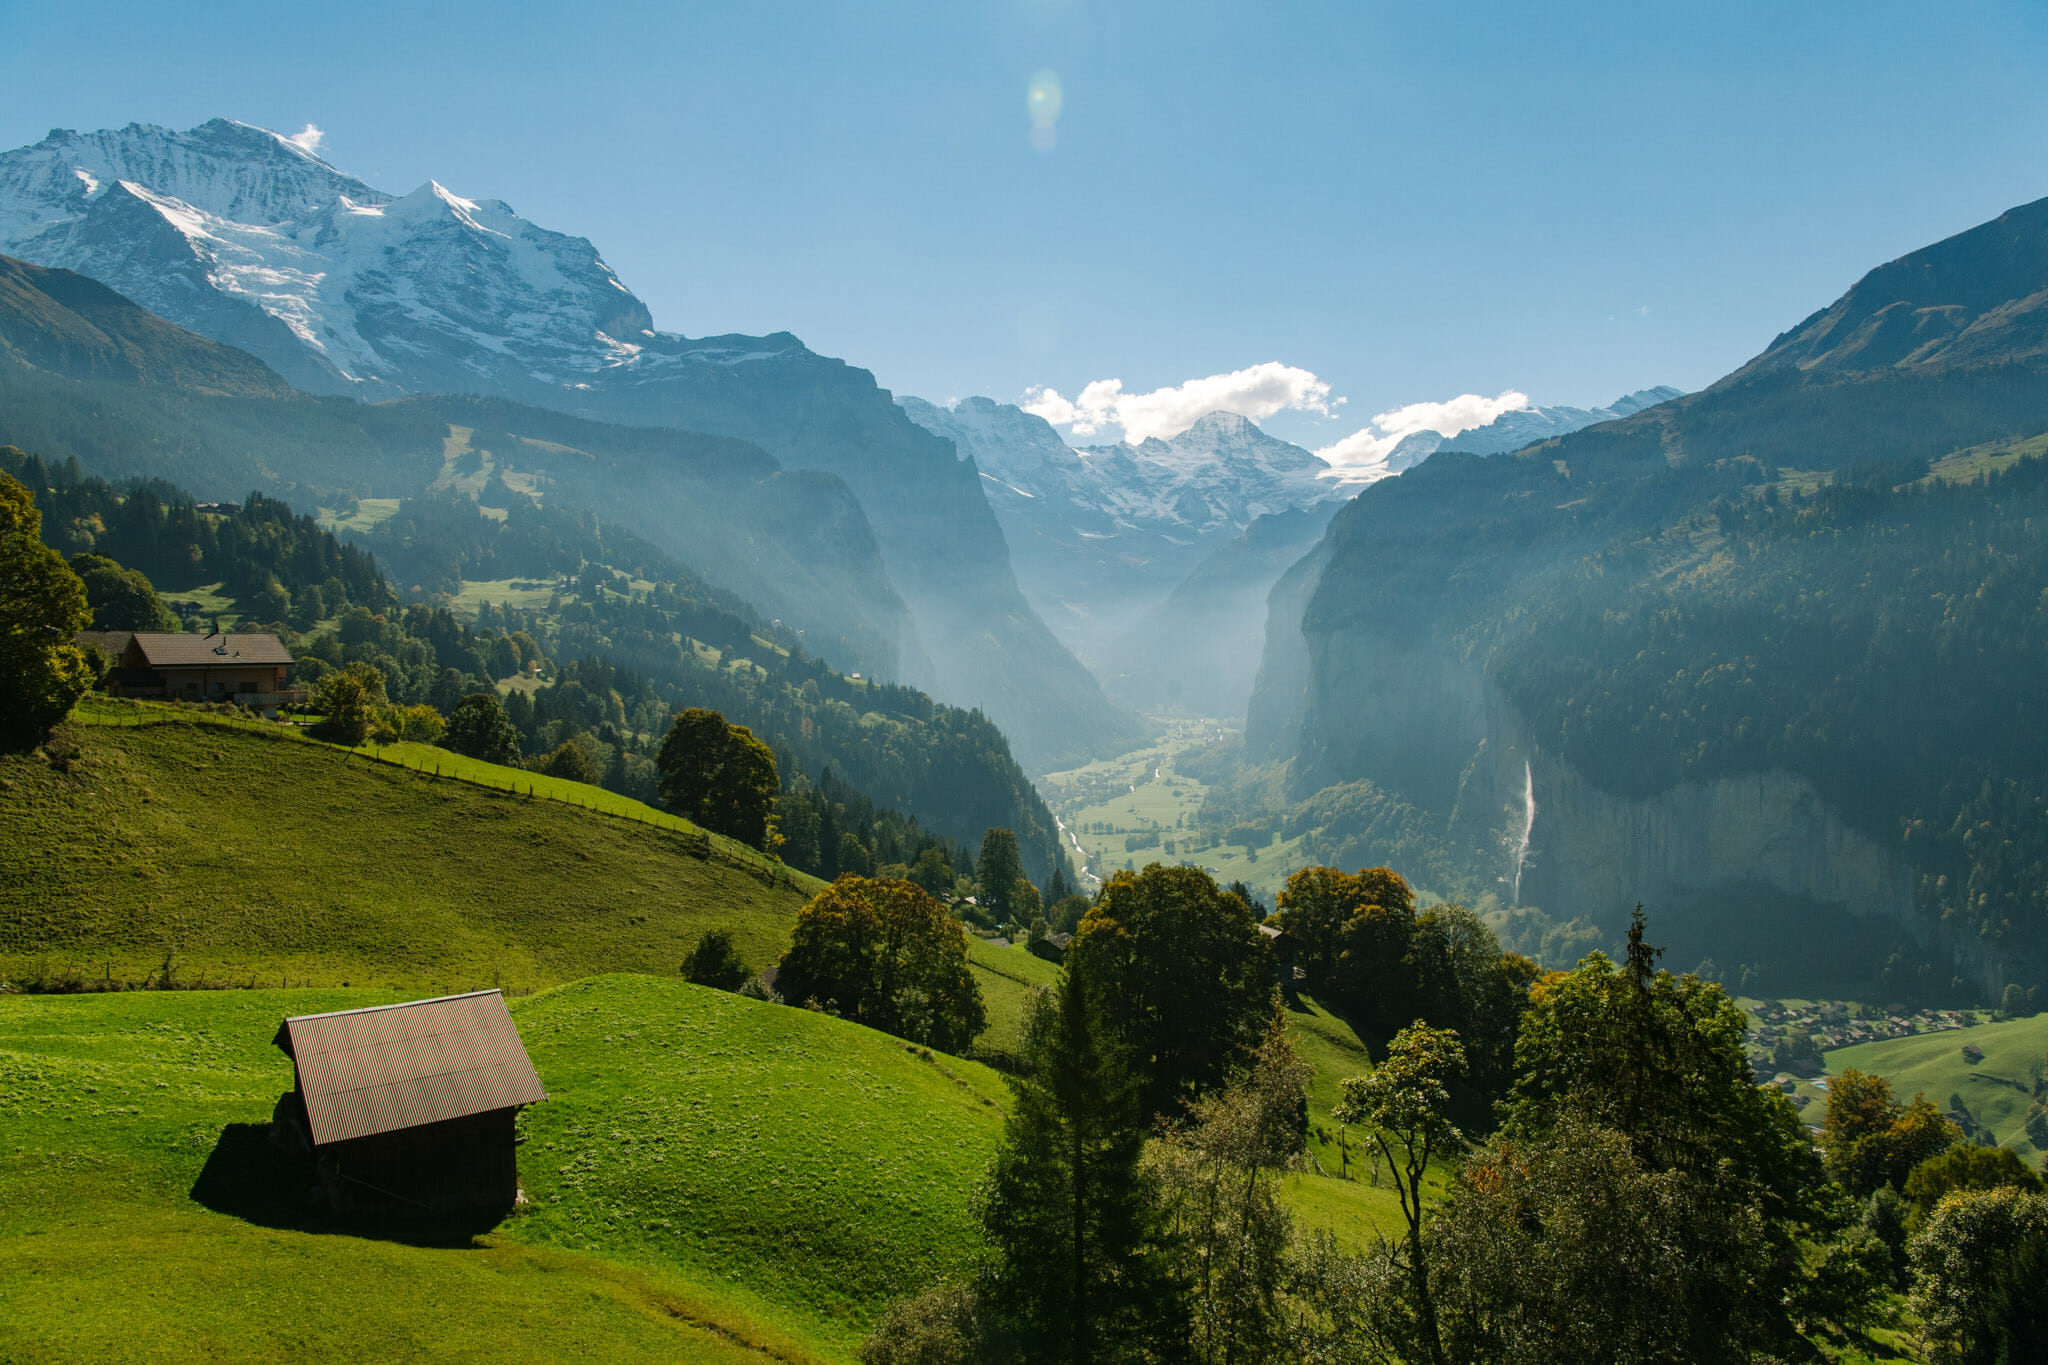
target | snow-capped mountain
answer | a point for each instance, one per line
(1099, 535)
(1103, 538)
(1522, 427)
(245, 237)
(242, 235)
(1222, 471)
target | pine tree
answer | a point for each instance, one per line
(1077, 1270)
(998, 870)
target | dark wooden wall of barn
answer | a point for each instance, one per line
(470, 1162)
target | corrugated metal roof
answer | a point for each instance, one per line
(174, 650)
(398, 1066)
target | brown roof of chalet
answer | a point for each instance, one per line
(176, 650)
(399, 1066)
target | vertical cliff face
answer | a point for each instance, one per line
(1435, 730)
(1596, 850)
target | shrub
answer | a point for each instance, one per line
(716, 962)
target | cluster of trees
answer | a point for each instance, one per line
(1368, 953)
(279, 567)
(1637, 1198)
(683, 643)
(829, 827)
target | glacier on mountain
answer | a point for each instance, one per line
(341, 287)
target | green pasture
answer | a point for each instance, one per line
(1997, 1090)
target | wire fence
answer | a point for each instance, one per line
(696, 841)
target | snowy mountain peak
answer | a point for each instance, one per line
(247, 236)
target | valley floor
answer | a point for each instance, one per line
(1138, 808)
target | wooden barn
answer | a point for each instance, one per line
(409, 1105)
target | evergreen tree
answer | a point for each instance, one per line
(1077, 1268)
(480, 728)
(998, 871)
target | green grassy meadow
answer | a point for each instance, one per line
(1997, 1090)
(712, 1179)
(246, 854)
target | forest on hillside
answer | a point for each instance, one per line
(616, 659)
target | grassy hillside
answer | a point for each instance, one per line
(1996, 1090)
(246, 854)
(812, 1168)
(713, 1180)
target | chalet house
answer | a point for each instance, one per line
(409, 1105)
(1284, 946)
(247, 668)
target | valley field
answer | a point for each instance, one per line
(1138, 808)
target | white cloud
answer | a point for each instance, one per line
(1366, 450)
(308, 139)
(1257, 393)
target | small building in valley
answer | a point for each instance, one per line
(246, 667)
(410, 1105)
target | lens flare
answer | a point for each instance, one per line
(1043, 98)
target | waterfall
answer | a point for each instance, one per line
(1528, 826)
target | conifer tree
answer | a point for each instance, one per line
(1077, 1268)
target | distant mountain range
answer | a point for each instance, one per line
(1522, 427)
(1766, 657)
(1152, 561)
(344, 289)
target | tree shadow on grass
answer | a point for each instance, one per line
(246, 1177)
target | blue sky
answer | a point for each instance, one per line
(1405, 202)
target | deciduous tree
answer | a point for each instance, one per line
(1405, 1102)
(887, 955)
(121, 599)
(719, 776)
(42, 605)
(1176, 966)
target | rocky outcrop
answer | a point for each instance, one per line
(1599, 853)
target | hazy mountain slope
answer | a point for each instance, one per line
(78, 328)
(978, 640)
(160, 402)
(342, 288)
(1743, 649)
(1200, 648)
(1101, 536)
(1978, 297)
